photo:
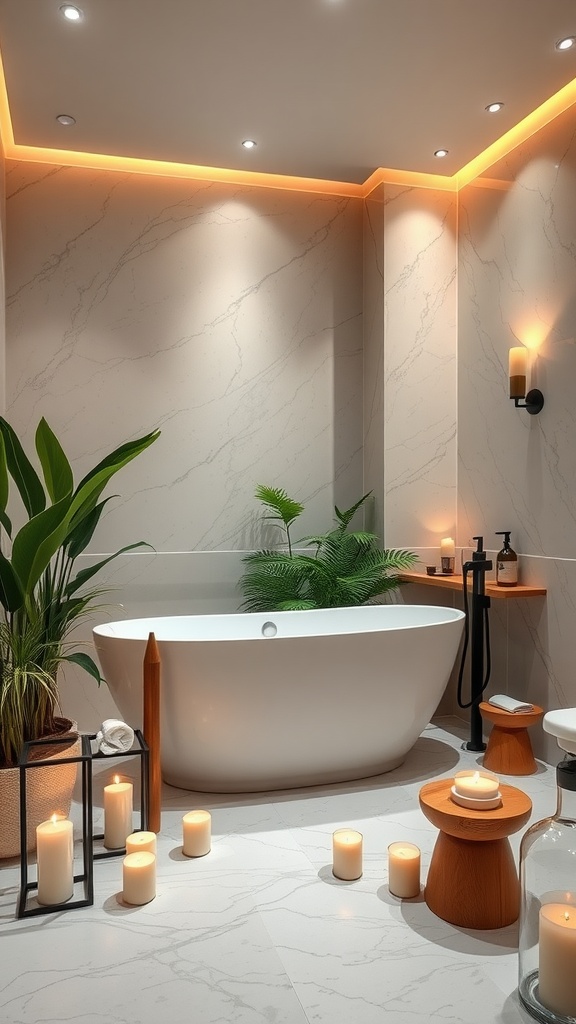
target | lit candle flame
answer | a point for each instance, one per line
(54, 819)
(566, 915)
(475, 777)
(116, 779)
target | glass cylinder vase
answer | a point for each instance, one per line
(547, 941)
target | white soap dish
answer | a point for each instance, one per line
(476, 803)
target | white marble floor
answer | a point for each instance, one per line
(260, 931)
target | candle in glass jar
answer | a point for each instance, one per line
(139, 878)
(141, 842)
(476, 785)
(557, 958)
(447, 548)
(517, 369)
(55, 857)
(196, 833)
(117, 813)
(404, 870)
(347, 854)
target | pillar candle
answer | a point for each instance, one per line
(447, 548)
(517, 369)
(196, 833)
(117, 814)
(404, 870)
(476, 784)
(141, 842)
(139, 878)
(347, 854)
(55, 856)
(557, 957)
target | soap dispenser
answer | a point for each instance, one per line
(506, 562)
(547, 940)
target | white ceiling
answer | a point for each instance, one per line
(328, 88)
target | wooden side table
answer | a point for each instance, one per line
(472, 880)
(509, 749)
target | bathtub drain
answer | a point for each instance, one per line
(269, 629)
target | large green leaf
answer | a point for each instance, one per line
(91, 486)
(81, 534)
(37, 541)
(22, 471)
(276, 499)
(86, 574)
(11, 592)
(4, 488)
(85, 662)
(57, 471)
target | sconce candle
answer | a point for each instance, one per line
(347, 854)
(139, 878)
(141, 842)
(55, 855)
(517, 371)
(404, 870)
(117, 813)
(196, 833)
(557, 956)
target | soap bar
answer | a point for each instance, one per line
(500, 700)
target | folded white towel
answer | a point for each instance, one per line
(114, 737)
(500, 700)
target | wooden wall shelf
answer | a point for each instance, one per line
(454, 582)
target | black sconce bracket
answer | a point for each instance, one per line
(534, 402)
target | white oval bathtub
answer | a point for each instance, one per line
(332, 695)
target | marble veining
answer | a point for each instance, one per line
(260, 930)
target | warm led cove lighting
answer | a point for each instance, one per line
(441, 152)
(248, 143)
(71, 13)
(66, 119)
(566, 44)
(493, 108)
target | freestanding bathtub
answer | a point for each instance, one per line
(255, 701)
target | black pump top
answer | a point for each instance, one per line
(478, 555)
(566, 774)
(506, 535)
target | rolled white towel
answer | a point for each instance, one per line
(114, 737)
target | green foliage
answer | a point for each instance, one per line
(346, 568)
(42, 597)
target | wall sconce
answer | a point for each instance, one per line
(518, 364)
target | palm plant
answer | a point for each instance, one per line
(347, 567)
(42, 598)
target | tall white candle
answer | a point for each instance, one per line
(55, 856)
(347, 854)
(141, 842)
(196, 833)
(557, 958)
(139, 878)
(117, 813)
(517, 369)
(404, 870)
(447, 547)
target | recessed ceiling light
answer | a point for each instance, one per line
(71, 13)
(566, 44)
(441, 152)
(248, 143)
(493, 108)
(66, 119)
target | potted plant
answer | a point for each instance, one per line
(346, 568)
(42, 596)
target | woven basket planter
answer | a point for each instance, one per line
(48, 791)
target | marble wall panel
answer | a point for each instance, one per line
(419, 365)
(230, 317)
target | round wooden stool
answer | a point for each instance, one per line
(509, 749)
(472, 880)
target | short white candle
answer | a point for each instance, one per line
(139, 878)
(476, 785)
(447, 548)
(196, 833)
(141, 842)
(347, 854)
(55, 857)
(117, 814)
(518, 361)
(404, 870)
(557, 958)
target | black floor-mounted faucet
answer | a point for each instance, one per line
(478, 630)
